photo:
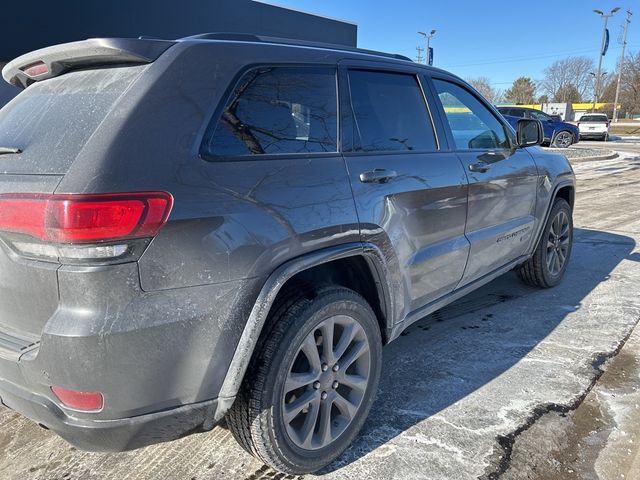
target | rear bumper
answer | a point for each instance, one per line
(113, 435)
(158, 358)
(593, 134)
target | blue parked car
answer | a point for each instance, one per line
(556, 133)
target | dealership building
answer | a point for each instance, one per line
(26, 28)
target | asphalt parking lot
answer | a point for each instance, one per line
(510, 382)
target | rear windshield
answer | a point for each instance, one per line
(51, 121)
(594, 118)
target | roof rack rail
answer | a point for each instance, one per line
(249, 37)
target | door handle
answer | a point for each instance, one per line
(379, 175)
(480, 167)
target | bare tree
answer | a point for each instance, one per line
(483, 85)
(522, 91)
(630, 83)
(571, 71)
(568, 94)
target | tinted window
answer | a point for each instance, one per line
(594, 118)
(275, 111)
(539, 116)
(390, 113)
(472, 124)
(508, 111)
(516, 112)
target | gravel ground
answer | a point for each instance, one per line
(463, 389)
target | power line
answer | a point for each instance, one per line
(520, 59)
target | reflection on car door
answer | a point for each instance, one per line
(502, 181)
(411, 197)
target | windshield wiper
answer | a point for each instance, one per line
(8, 150)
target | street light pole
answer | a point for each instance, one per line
(624, 46)
(428, 37)
(602, 51)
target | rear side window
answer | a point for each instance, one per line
(279, 110)
(390, 113)
(52, 120)
(472, 124)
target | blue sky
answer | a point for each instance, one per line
(501, 40)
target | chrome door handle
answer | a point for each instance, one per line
(379, 175)
(480, 167)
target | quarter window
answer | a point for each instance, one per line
(472, 124)
(279, 110)
(390, 113)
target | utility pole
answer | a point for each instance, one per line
(428, 37)
(624, 46)
(419, 55)
(603, 51)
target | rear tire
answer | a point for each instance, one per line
(546, 267)
(311, 383)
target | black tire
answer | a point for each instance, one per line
(537, 271)
(257, 417)
(563, 139)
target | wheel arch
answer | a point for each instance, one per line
(565, 190)
(362, 264)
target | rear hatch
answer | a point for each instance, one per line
(593, 124)
(42, 131)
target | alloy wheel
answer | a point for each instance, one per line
(563, 140)
(558, 243)
(326, 383)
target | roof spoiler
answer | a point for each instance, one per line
(93, 53)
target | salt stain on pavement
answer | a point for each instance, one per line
(453, 385)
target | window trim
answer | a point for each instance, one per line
(346, 67)
(508, 130)
(214, 119)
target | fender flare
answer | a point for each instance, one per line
(560, 185)
(272, 286)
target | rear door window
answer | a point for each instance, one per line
(472, 124)
(389, 113)
(277, 110)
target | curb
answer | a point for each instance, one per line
(606, 155)
(609, 156)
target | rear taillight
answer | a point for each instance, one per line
(76, 400)
(82, 227)
(85, 218)
(36, 69)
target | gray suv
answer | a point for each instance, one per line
(230, 226)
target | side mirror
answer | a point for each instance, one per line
(529, 132)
